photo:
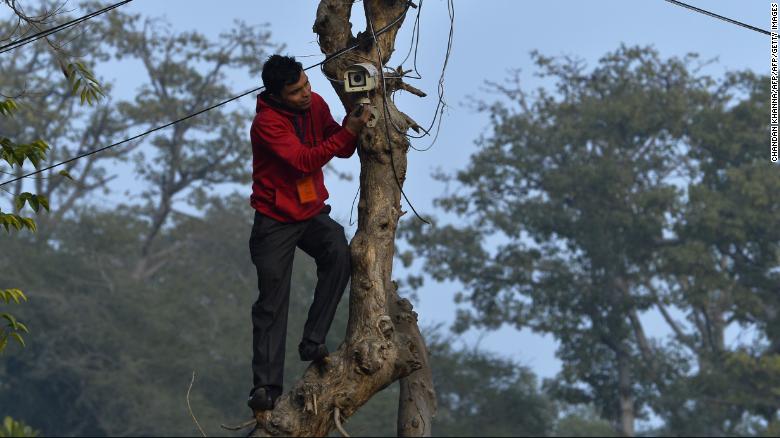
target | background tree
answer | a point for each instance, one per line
(89, 130)
(186, 73)
(15, 155)
(482, 394)
(59, 100)
(595, 191)
(723, 268)
(131, 352)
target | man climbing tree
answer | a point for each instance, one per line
(383, 343)
(293, 136)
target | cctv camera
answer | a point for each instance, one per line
(360, 77)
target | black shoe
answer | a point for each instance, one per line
(261, 399)
(311, 351)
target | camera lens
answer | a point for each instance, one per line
(357, 79)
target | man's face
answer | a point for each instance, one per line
(297, 95)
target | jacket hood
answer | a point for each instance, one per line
(265, 101)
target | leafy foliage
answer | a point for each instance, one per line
(82, 82)
(7, 106)
(14, 328)
(13, 428)
(482, 394)
(16, 155)
(58, 98)
(147, 336)
(637, 187)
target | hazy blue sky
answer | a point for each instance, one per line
(491, 38)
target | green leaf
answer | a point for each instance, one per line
(20, 200)
(76, 86)
(18, 337)
(29, 223)
(88, 74)
(40, 147)
(18, 293)
(44, 202)
(10, 318)
(35, 160)
(66, 174)
(14, 221)
(7, 107)
(13, 294)
(34, 203)
(6, 144)
(22, 327)
(19, 156)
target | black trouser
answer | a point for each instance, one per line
(272, 246)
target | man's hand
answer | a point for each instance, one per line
(355, 123)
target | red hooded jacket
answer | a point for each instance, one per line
(288, 146)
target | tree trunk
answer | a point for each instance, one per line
(626, 396)
(417, 400)
(383, 343)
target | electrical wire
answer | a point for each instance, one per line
(127, 140)
(42, 34)
(415, 44)
(415, 37)
(158, 128)
(353, 206)
(720, 17)
(441, 104)
(384, 113)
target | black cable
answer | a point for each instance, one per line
(95, 151)
(714, 15)
(415, 43)
(63, 26)
(440, 105)
(42, 34)
(384, 113)
(353, 206)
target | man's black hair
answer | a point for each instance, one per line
(279, 71)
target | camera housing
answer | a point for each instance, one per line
(366, 106)
(360, 77)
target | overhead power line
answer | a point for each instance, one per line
(187, 117)
(127, 140)
(720, 17)
(42, 34)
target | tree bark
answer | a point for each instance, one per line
(417, 400)
(625, 396)
(383, 343)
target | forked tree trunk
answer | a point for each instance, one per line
(383, 342)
